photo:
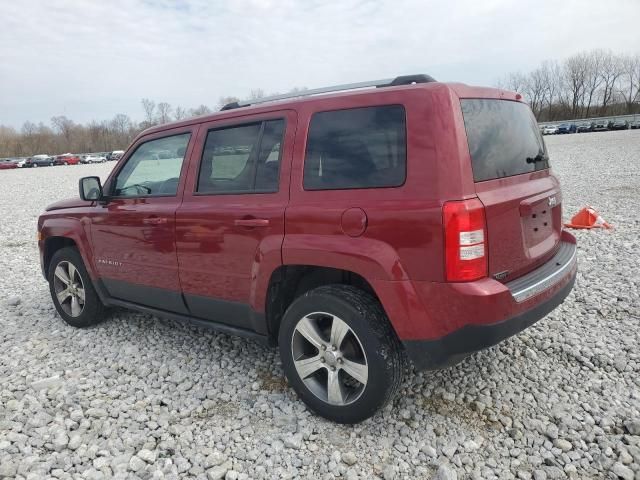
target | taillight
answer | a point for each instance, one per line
(465, 240)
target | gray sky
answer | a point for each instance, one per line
(91, 60)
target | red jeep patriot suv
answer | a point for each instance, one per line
(356, 227)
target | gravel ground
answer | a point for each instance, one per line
(142, 397)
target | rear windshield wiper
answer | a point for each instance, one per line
(537, 158)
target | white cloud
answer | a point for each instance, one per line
(91, 60)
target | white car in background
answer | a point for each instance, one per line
(92, 159)
(550, 130)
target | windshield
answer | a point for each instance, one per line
(503, 137)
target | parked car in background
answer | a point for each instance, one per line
(550, 130)
(92, 158)
(24, 163)
(634, 125)
(8, 163)
(115, 155)
(67, 159)
(600, 125)
(585, 127)
(618, 125)
(42, 161)
(567, 128)
(334, 281)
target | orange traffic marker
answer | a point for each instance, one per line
(587, 217)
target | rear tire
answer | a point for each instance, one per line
(72, 291)
(340, 353)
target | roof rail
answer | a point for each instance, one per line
(389, 82)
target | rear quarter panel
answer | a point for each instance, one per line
(403, 237)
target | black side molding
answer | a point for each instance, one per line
(216, 326)
(254, 329)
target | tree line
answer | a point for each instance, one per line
(587, 84)
(63, 135)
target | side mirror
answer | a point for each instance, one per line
(90, 189)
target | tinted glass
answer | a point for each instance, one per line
(503, 137)
(242, 159)
(153, 169)
(356, 148)
(268, 170)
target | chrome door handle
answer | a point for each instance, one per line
(155, 221)
(251, 222)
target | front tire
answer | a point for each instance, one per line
(71, 290)
(340, 354)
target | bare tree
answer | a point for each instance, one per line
(164, 113)
(551, 74)
(256, 94)
(222, 101)
(149, 107)
(179, 113)
(612, 69)
(516, 82)
(595, 64)
(121, 123)
(574, 81)
(63, 125)
(201, 110)
(630, 87)
(9, 140)
(535, 90)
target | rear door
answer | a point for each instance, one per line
(512, 179)
(230, 226)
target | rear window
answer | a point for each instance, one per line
(504, 139)
(356, 148)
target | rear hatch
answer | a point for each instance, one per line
(523, 204)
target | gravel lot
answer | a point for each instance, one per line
(142, 397)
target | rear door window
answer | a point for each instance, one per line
(503, 137)
(242, 159)
(356, 148)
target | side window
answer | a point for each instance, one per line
(242, 159)
(356, 148)
(153, 169)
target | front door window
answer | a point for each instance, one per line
(153, 169)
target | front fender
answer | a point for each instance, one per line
(72, 228)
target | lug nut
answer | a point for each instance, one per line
(333, 347)
(339, 360)
(324, 347)
(322, 360)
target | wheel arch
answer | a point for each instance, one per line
(60, 232)
(289, 282)
(51, 246)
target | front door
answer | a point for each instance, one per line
(230, 226)
(133, 233)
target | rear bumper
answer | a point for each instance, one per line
(453, 348)
(442, 323)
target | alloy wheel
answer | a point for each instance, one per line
(329, 358)
(69, 288)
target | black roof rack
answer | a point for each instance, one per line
(389, 82)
